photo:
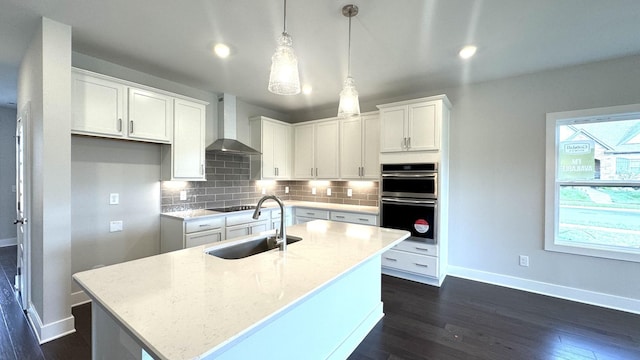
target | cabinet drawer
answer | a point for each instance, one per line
(365, 219)
(417, 248)
(312, 213)
(247, 217)
(419, 264)
(202, 237)
(202, 224)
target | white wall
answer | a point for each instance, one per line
(44, 86)
(7, 176)
(497, 178)
(100, 167)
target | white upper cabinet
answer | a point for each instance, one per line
(273, 139)
(412, 125)
(150, 116)
(327, 150)
(188, 148)
(98, 106)
(304, 167)
(359, 147)
(316, 150)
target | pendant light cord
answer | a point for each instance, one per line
(284, 31)
(349, 48)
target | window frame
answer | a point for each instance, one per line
(552, 185)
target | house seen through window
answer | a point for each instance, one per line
(593, 184)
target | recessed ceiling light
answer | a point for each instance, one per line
(307, 89)
(467, 51)
(222, 50)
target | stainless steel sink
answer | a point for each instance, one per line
(249, 247)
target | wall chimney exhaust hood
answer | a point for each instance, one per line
(227, 126)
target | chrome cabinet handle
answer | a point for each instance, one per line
(365, 220)
(131, 127)
(339, 217)
(421, 265)
(404, 143)
(311, 171)
(409, 143)
(421, 248)
(390, 259)
(316, 172)
(120, 125)
(201, 169)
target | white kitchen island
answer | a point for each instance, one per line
(317, 300)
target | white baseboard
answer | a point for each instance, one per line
(79, 298)
(51, 331)
(8, 242)
(558, 291)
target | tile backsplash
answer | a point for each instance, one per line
(228, 184)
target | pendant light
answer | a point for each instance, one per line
(349, 105)
(284, 78)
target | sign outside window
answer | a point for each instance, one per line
(576, 160)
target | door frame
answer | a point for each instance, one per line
(23, 238)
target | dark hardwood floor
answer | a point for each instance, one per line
(461, 320)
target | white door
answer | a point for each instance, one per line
(303, 155)
(150, 116)
(327, 136)
(351, 148)
(22, 231)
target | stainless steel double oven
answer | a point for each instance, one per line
(408, 199)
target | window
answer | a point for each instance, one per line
(592, 200)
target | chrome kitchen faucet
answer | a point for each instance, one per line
(281, 239)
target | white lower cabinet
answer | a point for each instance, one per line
(243, 224)
(303, 215)
(354, 218)
(177, 233)
(414, 258)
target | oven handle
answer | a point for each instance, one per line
(400, 176)
(407, 201)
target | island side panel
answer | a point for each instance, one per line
(328, 325)
(109, 340)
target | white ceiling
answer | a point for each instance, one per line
(398, 47)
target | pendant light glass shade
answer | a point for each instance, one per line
(349, 104)
(284, 78)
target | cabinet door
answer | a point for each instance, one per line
(351, 148)
(269, 141)
(327, 149)
(392, 129)
(188, 140)
(282, 151)
(259, 227)
(423, 131)
(371, 147)
(202, 237)
(150, 116)
(237, 231)
(303, 154)
(97, 106)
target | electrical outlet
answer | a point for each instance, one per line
(328, 191)
(349, 192)
(286, 189)
(313, 191)
(524, 260)
(183, 195)
(114, 199)
(264, 191)
(115, 226)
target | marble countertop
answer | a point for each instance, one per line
(208, 302)
(190, 214)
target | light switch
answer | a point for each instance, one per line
(183, 195)
(264, 191)
(328, 191)
(114, 199)
(349, 192)
(115, 226)
(313, 191)
(286, 189)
